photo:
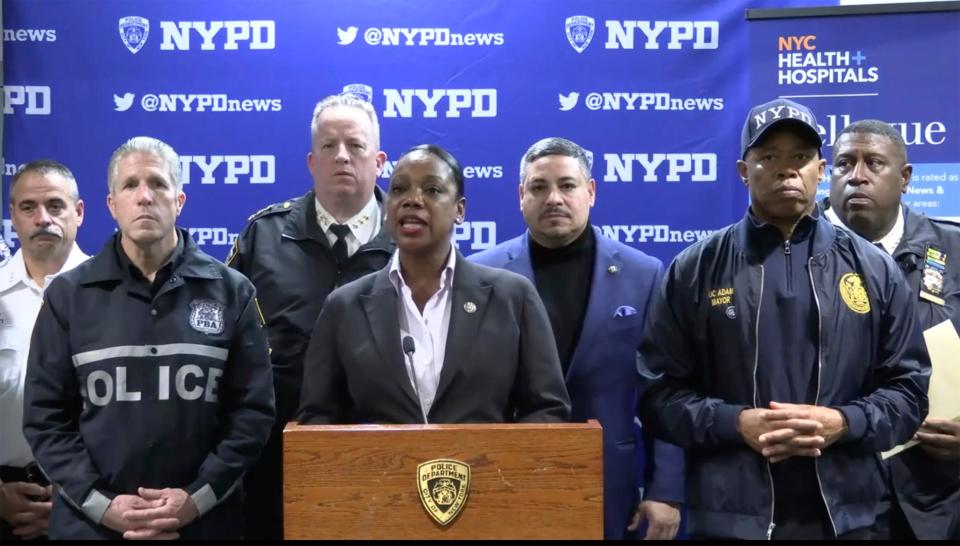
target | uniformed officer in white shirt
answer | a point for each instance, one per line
(46, 210)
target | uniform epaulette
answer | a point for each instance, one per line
(944, 221)
(283, 206)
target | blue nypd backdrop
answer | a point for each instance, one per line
(657, 92)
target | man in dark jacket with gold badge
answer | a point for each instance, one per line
(784, 354)
(870, 176)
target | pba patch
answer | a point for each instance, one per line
(579, 31)
(934, 270)
(134, 31)
(854, 293)
(443, 485)
(206, 316)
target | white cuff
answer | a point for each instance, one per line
(95, 506)
(205, 499)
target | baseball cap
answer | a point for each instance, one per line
(774, 113)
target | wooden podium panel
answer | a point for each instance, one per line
(528, 481)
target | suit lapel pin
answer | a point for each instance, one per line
(613, 270)
(470, 307)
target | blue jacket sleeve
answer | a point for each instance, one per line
(667, 366)
(897, 400)
(246, 409)
(663, 475)
(52, 404)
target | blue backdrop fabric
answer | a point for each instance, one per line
(656, 91)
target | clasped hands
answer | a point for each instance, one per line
(151, 514)
(789, 430)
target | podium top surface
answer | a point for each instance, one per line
(591, 424)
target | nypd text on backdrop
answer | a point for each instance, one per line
(377, 36)
(652, 34)
(32, 100)
(477, 103)
(653, 234)
(228, 169)
(209, 35)
(616, 100)
(214, 236)
(700, 167)
(469, 172)
(195, 102)
(29, 35)
(479, 235)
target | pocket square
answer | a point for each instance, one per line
(624, 311)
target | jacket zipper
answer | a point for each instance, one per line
(786, 257)
(816, 401)
(756, 363)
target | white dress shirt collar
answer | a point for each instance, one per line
(364, 225)
(889, 242)
(428, 329)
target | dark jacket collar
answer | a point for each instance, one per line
(917, 232)
(746, 231)
(107, 265)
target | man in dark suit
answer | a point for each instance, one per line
(596, 292)
(484, 352)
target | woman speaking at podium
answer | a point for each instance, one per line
(432, 338)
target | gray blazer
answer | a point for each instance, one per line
(500, 365)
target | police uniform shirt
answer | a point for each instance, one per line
(20, 301)
(364, 225)
(888, 242)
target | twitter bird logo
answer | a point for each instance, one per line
(346, 37)
(122, 104)
(569, 101)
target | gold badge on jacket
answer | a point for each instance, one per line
(854, 294)
(443, 485)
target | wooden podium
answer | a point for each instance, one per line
(526, 481)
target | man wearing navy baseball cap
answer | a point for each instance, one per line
(783, 354)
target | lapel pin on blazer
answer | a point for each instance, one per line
(470, 307)
(624, 311)
(613, 270)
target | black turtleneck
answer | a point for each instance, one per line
(563, 277)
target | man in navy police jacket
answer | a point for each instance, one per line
(148, 390)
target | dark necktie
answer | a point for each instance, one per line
(340, 246)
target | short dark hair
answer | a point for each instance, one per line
(555, 146)
(444, 156)
(42, 167)
(875, 127)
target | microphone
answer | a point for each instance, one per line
(409, 347)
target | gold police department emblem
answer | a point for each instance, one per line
(854, 294)
(443, 485)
